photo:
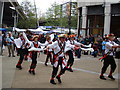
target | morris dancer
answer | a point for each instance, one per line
(49, 51)
(59, 47)
(22, 50)
(70, 52)
(35, 44)
(109, 59)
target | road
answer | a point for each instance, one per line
(85, 75)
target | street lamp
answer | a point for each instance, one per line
(37, 21)
(69, 17)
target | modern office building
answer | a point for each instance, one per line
(10, 12)
(98, 17)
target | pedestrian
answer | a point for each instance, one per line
(109, 59)
(10, 44)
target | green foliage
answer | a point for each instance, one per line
(56, 17)
(29, 11)
(53, 15)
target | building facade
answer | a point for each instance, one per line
(98, 17)
(10, 12)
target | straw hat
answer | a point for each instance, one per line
(36, 36)
(62, 36)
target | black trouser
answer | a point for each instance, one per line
(22, 53)
(117, 55)
(109, 60)
(71, 58)
(55, 69)
(49, 55)
(78, 51)
(34, 60)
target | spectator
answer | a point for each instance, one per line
(95, 47)
(10, 44)
(91, 39)
(80, 39)
(103, 45)
(99, 40)
(86, 40)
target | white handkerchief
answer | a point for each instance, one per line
(35, 49)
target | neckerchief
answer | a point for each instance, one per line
(35, 44)
(62, 47)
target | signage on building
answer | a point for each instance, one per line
(68, 9)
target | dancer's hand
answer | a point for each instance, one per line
(50, 42)
(76, 48)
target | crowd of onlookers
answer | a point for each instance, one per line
(98, 42)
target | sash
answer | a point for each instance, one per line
(61, 48)
(56, 58)
(105, 55)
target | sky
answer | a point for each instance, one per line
(43, 5)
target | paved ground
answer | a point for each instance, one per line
(85, 75)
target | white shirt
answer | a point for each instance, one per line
(109, 45)
(74, 42)
(20, 43)
(39, 44)
(47, 43)
(56, 48)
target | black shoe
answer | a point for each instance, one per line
(59, 80)
(46, 64)
(66, 68)
(51, 63)
(52, 82)
(29, 71)
(19, 67)
(33, 72)
(111, 77)
(102, 77)
(13, 56)
(70, 69)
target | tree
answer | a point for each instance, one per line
(56, 15)
(29, 11)
(53, 15)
